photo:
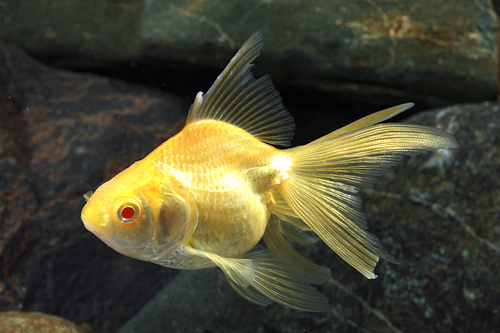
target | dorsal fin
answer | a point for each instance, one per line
(237, 98)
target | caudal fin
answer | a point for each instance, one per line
(327, 174)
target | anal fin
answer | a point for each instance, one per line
(250, 294)
(276, 242)
(262, 276)
(277, 279)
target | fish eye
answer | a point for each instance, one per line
(128, 212)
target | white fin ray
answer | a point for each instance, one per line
(281, 206)
(290, 231)
(275, 241)
(260, 276)
(237, 98)
(278, 280)
(290, 223)
(250, 294)
(355, 159)
(368, 120)
(351, 242)
(327, 174)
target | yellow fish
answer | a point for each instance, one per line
(208, 195)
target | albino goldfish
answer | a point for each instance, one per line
(208, 195)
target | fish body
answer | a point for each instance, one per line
(207, 196)
(229, 173)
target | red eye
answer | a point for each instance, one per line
(128, 212)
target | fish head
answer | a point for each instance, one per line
(139, 216)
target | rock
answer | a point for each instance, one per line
(433, 53)
(61, 135)
(496, 5)
(442, 225)
(436, 213)
(32, 322)
(196, 301)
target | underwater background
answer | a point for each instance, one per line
(88, 88)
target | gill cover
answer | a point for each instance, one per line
(144, 222)
(177, 215)
(131, 216)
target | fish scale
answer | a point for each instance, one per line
(232, 212)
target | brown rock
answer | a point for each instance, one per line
(61, 135)
(436, 51)
(33, 322)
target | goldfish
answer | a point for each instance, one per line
(207, 196)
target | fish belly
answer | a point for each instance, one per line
(231, 222)
(227, 171)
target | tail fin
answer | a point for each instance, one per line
(327, 174)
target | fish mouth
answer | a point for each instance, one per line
(98, 233)
(126, 249)
(89, 226)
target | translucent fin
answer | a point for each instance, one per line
(279, 281)
(236, 97)
(197, 103)
(293, 233)
(250, 294)
(295, 221)
(293, 227)
(371, 119)
(326, 175)
(276, 242)
(240, 271)
(281, 206)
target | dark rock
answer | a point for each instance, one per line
(61, 135)
(437, 214)
(441, 222)
(496, 5)
(33, 322)
(433, 52)
(197, 301)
